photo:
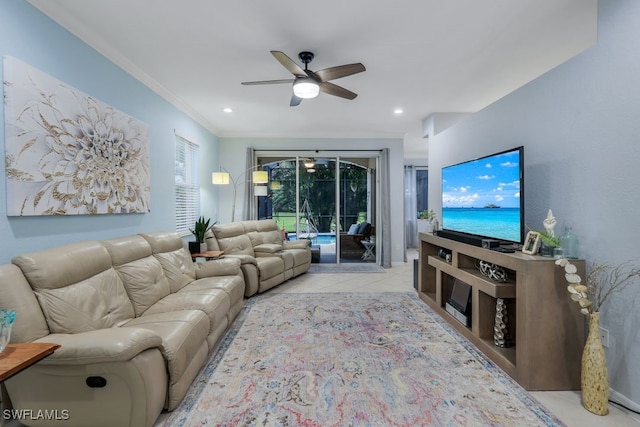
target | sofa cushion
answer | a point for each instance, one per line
(236, 245)
(63, 265)
(141, 272)
(76, 287)
(256, 238)
(183, 336)
(231, 229)
(269, 266)
(16, 294)
(215, 303)
(353, 229)
(233, 286)
(265, 225)
(287, 258)
(300, 256)
(273, 237)
(95, 303)
(169, 250)
(145, 282)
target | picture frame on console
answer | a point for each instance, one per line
(531, 243)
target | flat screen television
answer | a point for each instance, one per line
(484, 197)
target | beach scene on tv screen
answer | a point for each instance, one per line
(483, 197)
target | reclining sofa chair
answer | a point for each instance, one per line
(134, 311)
(266, 259)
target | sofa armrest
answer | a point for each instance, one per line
(297, 244)
(100, 346)
(267, 248)
(218, 267)
(244, 259)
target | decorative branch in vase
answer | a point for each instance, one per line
(602, 281)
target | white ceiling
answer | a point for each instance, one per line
(424, 56)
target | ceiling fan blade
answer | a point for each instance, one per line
(336, 90)
(295, 101)
(269, 82)
(288, 64)
(339, 71)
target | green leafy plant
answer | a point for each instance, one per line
(548, 239)
(429, 214)
(200, 229)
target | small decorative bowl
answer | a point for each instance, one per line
(7, 317)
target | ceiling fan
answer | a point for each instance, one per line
(307, 83)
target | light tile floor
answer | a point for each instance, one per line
(563, 404)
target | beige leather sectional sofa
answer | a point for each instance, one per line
(136, 318)
(266, 260)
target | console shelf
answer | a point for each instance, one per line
(545, 325)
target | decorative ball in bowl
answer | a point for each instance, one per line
(7, 317)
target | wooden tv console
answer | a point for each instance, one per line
(546, 326)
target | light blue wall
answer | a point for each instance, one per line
(580, 126)
(30, 36)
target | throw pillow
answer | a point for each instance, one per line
(365, 230)
(353, 229)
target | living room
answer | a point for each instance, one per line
(578, 123)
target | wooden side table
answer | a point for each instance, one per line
(208, 255)
(18, 357)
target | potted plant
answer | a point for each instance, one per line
(199, 231)
(548, 243)
(425, 221)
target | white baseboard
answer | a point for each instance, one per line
(624, 400)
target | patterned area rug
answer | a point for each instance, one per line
(351, 359)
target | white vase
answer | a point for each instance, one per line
(425, 226)
(203, 248)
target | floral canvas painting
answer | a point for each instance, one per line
(66, 153)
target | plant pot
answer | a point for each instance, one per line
(546, 250)
(194, 247)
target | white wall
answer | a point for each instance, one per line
(233, 158)
(580, 126)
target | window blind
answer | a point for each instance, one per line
(187, 185)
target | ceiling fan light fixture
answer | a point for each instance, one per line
(305, 88)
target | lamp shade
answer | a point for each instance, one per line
(260, 190)
(276, 185)
(309, 163)
(220, 178)
(305, 88)
(260, 177)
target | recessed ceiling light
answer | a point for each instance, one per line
(398, 111)
(228, 110)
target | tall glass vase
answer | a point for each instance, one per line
(595, 376)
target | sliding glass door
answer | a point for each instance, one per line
(328, 200)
